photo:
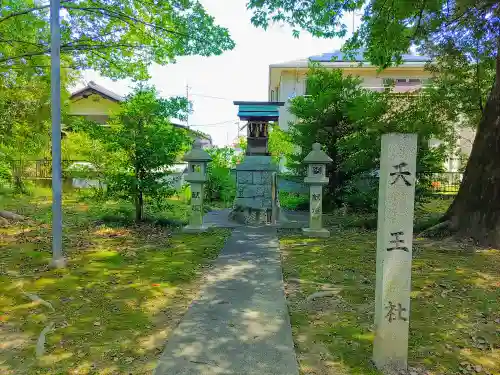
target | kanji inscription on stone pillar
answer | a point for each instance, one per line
(394, 250)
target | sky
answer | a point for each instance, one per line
(241, 74)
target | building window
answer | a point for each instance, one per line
(405, 81)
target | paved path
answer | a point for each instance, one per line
(220, 219)
(240, 323)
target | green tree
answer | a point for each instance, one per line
(280, 143)
(25, 120)
(469, 29)
(349, 121)
(141, 143)
(117, 38)
(221, 184)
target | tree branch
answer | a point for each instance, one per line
(23, 55)
(23, 67)
(421, 13)
(69, 47)
(464, 13)
(30, 10)
(124, 16)
(21, 42)
(110, 62)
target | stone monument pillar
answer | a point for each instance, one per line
(394, 251)
(316, 162)
(256, 189)
(197, 160)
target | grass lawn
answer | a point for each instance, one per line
(455, 307)
(125, 288)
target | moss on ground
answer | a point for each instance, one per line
(125, 288)
(455, 307)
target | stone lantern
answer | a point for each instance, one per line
(197, 160)
(316, 162)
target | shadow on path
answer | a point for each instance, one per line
(240, 323)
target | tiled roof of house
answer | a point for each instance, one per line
(94, 88)
(339, 56)
(195, 132)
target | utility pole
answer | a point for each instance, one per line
(55, 87)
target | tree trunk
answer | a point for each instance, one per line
(139, 206)
(475, 212)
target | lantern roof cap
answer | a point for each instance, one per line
(317, 156)
(197, 153)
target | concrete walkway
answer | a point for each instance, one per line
(240, 323)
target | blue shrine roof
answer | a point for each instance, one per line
(358, 57)
(268, 111)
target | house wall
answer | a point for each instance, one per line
(98, 109)
(291, 84)
(466, 140)
(94, 105)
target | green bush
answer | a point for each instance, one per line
(349, 121)
(5, 174)
(294, 201)
(221, 183)
(361, 194)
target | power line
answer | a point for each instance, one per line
(217, 123)
(212, 97)
(187, 93)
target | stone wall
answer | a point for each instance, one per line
(254, 189)
(287, 184)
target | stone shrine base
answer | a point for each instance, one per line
(316, 232)
(248, 215)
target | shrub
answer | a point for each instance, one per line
(294, 201)
(221, 183)
(349, 122)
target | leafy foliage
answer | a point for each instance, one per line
(461, 87)
(221, 184)
(25, 120)
(141, 143)
(349, 121)
(280, 143)
(458, 35)
(319, 17)
(117, 38)
(389, 29)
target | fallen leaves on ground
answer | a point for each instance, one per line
(123, 291)
(455, 306)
